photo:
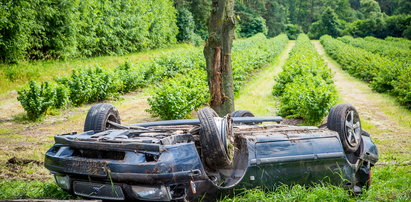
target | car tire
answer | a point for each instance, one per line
(212, 141)
(242, 113)
(98, 117)
(344, 119)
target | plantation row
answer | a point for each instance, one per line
(384, 74)
(393, 40)
(44, 29)
(305, 87)
(176, 98)
(89, 85)
(390, 50)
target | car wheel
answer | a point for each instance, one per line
(98, 117)
(213, 138)
(244, 113)
(344, 119)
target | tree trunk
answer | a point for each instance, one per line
(218, 56)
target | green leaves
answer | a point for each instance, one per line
(389, 70)
(305, 86)
(39, 98)
(65, 29)
(178, 97)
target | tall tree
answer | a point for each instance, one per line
(218, 56)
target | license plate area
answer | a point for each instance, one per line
(98, 190)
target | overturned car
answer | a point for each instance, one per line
(197, 159)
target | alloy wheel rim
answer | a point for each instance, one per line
(353, 128)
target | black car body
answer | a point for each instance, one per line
(163, 162)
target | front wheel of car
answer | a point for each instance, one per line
(213, 138)
(99, 117)
(344, 119)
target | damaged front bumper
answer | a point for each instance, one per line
(142, 171)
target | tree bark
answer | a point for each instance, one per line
(218, 56)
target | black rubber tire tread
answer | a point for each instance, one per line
(336, 122)
(242, 113)
(212, 146)
(98, 115)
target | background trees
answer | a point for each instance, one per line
(294, 16)
(43, 29)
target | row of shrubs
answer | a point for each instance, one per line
(384, 74)
(305, 87)
(176, 98)
(182, 73)
(381, 47)
(89, 85)
(44, 29)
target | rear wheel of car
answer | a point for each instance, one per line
(242, 113)
(213, 139)
(344, 119)
(98, 117)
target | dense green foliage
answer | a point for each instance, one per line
(384, 74)
(378, 46)
(305, 86)
(178, 97)
(353, 16)
(42, 29)
(380, 26)
(37, 99)
(89, 85)
(328, 24)
(175, 99)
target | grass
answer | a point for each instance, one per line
(32, 189)
(256, 96)
(390, 183)
(16, 75)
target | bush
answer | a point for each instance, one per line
(91, 85)
(305, 86)
(178, 97)
(309, 97)
(37, 99)
(130, 77)
(62, 96)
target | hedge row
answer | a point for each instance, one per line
(384, 74)
(374, 45)
(42, 29)
(89, 85)
(305, 87)
(182, 74)
(176, 98)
